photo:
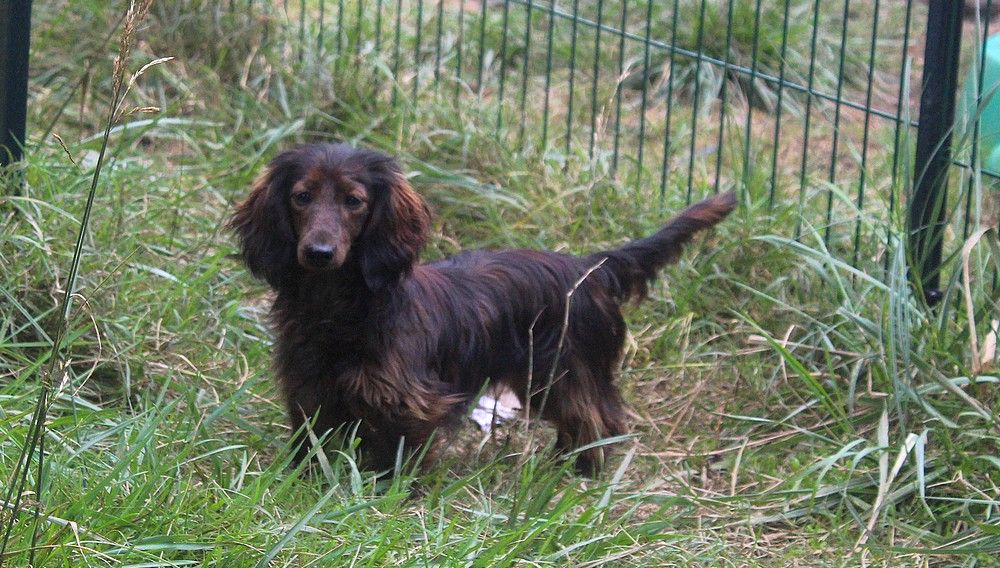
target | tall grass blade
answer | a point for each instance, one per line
(34, 441)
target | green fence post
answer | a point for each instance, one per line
(15, 34)
(926, 218)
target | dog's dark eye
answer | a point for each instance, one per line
(352, 202)
(302, 198)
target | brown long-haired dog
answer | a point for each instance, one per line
(364, 333)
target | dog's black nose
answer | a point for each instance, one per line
(319, 256)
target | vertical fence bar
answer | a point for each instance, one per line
(933, 154)
(980, 75)
(780, 105)
(667, 146)
(723, 101)
(985, 15)
(378, 26)
(618, 84)
(904, 69)
(359, 33)
(397, 53)
(597, 75)
(302, 29)
(548, 76)
(526, 68)
(416, 49)
(322, 27)
(267, 11)
(437, 44)
(645, 89)
(747, 135)
(213, 55)
(808, 117)
(836, 122)
(572, 76)
(503, 62)
(864, 138)
(482, 48)
(15, 34)
(696, 101)
(458, 52)
(340, 36)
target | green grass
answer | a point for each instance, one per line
(791, 410)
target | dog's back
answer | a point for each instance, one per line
(548, 325)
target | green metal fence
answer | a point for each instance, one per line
(798, 103)
(796, 100)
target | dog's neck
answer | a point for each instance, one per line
(316, 295)
(336, 303)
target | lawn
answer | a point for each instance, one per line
(796, 403)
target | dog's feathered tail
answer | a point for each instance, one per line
(628, 269)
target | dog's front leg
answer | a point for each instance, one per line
(399, 411)
(312, 407)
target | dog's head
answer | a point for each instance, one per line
(319, 206)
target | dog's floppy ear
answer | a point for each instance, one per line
(397, 228)
(263, 223)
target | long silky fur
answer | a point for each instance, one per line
(403, 347)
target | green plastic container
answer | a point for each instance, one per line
(989, 126)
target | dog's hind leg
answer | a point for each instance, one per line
(585, 407)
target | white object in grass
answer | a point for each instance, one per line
(494, 408)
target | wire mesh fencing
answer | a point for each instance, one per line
(802, 103)
(802, 100)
